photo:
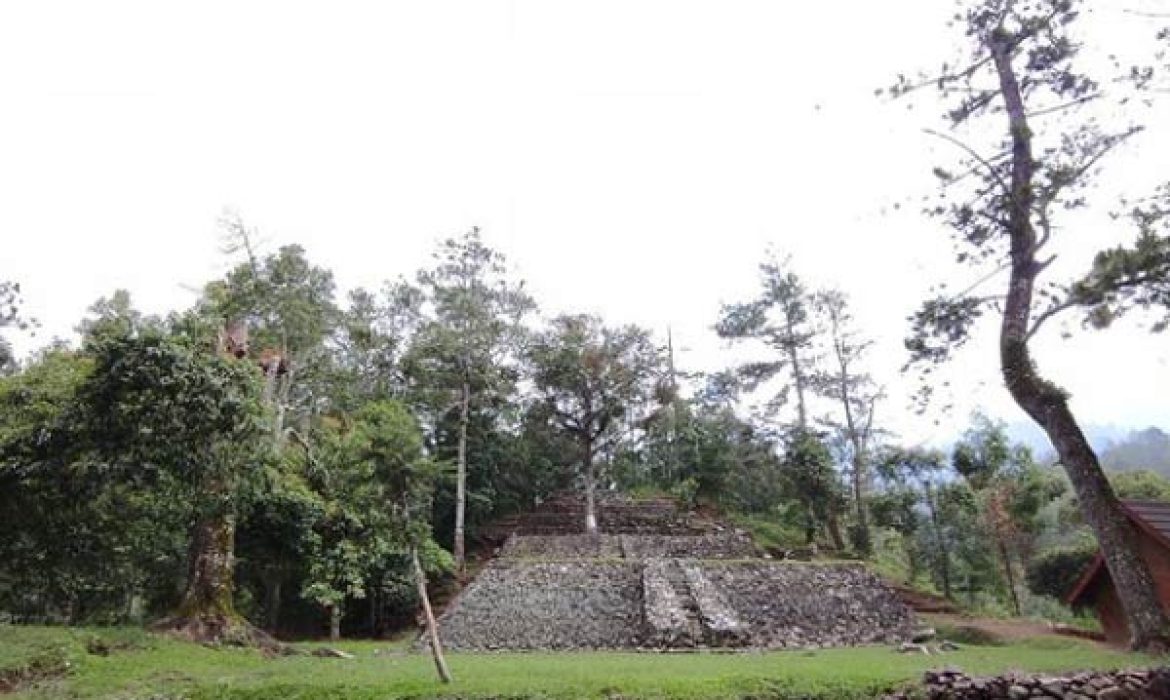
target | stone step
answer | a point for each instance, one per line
(672, 616)
(722, 627)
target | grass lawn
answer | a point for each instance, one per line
(138, 666)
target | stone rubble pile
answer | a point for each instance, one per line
(1090, 685)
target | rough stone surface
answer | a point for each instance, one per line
(659, 578)
(670, 612)
(671, 603)
(721, 624)
(1107, 685)
(562, 547)
(797, 605)
(542, 605)
(708, 546)
(712, 546)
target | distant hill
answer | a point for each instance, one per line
(1141, 449)
(1100, 437)
(1119, 448)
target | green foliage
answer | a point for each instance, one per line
(779, 320)
(1053, 572)
(1142, 485)
(155, 402)
(771, 533)
(810, 479)
(593, 380)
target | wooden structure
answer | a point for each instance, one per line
(1095, 587)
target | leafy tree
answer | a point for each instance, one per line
(1004, 204)
(897, 509)
(808, 473)
(922, 471)
(372, 337)
(593, 381)
(277, 537)
(463, 354)
(155, 404)
(389, 440)
(352, 535)
(113, 316)
(1011, 491)
(286, 306)
(10, 303)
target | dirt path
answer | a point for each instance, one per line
(1006, 629)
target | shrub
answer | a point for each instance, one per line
(1053, 573)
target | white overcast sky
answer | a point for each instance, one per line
(632, 158)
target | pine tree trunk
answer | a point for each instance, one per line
(461, 479)
(865, 541)
(590, 497)
(798, 379)
(1011, 578)
(436, 645)
(335, 622)
(1045, 402)
(944, 562)
(272, 612)
(834, 527)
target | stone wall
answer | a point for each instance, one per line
(1110, 685)
(562, 547)
(711, 546)
(542, 605)
(799, 605)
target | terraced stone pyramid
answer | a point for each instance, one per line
(660, 578)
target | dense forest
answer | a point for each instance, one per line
(280, 458)
(317, 442)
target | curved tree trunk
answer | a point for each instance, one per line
(1046, 403)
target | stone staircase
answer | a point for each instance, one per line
(671, 612)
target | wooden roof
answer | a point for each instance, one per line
(1151, 517)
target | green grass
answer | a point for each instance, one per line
(767, 532)
(157, 668)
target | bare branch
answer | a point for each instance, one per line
(971, 152)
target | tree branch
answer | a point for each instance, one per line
(971, 152)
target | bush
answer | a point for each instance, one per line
(1053, 573)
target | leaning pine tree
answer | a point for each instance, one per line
(1020, 84)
